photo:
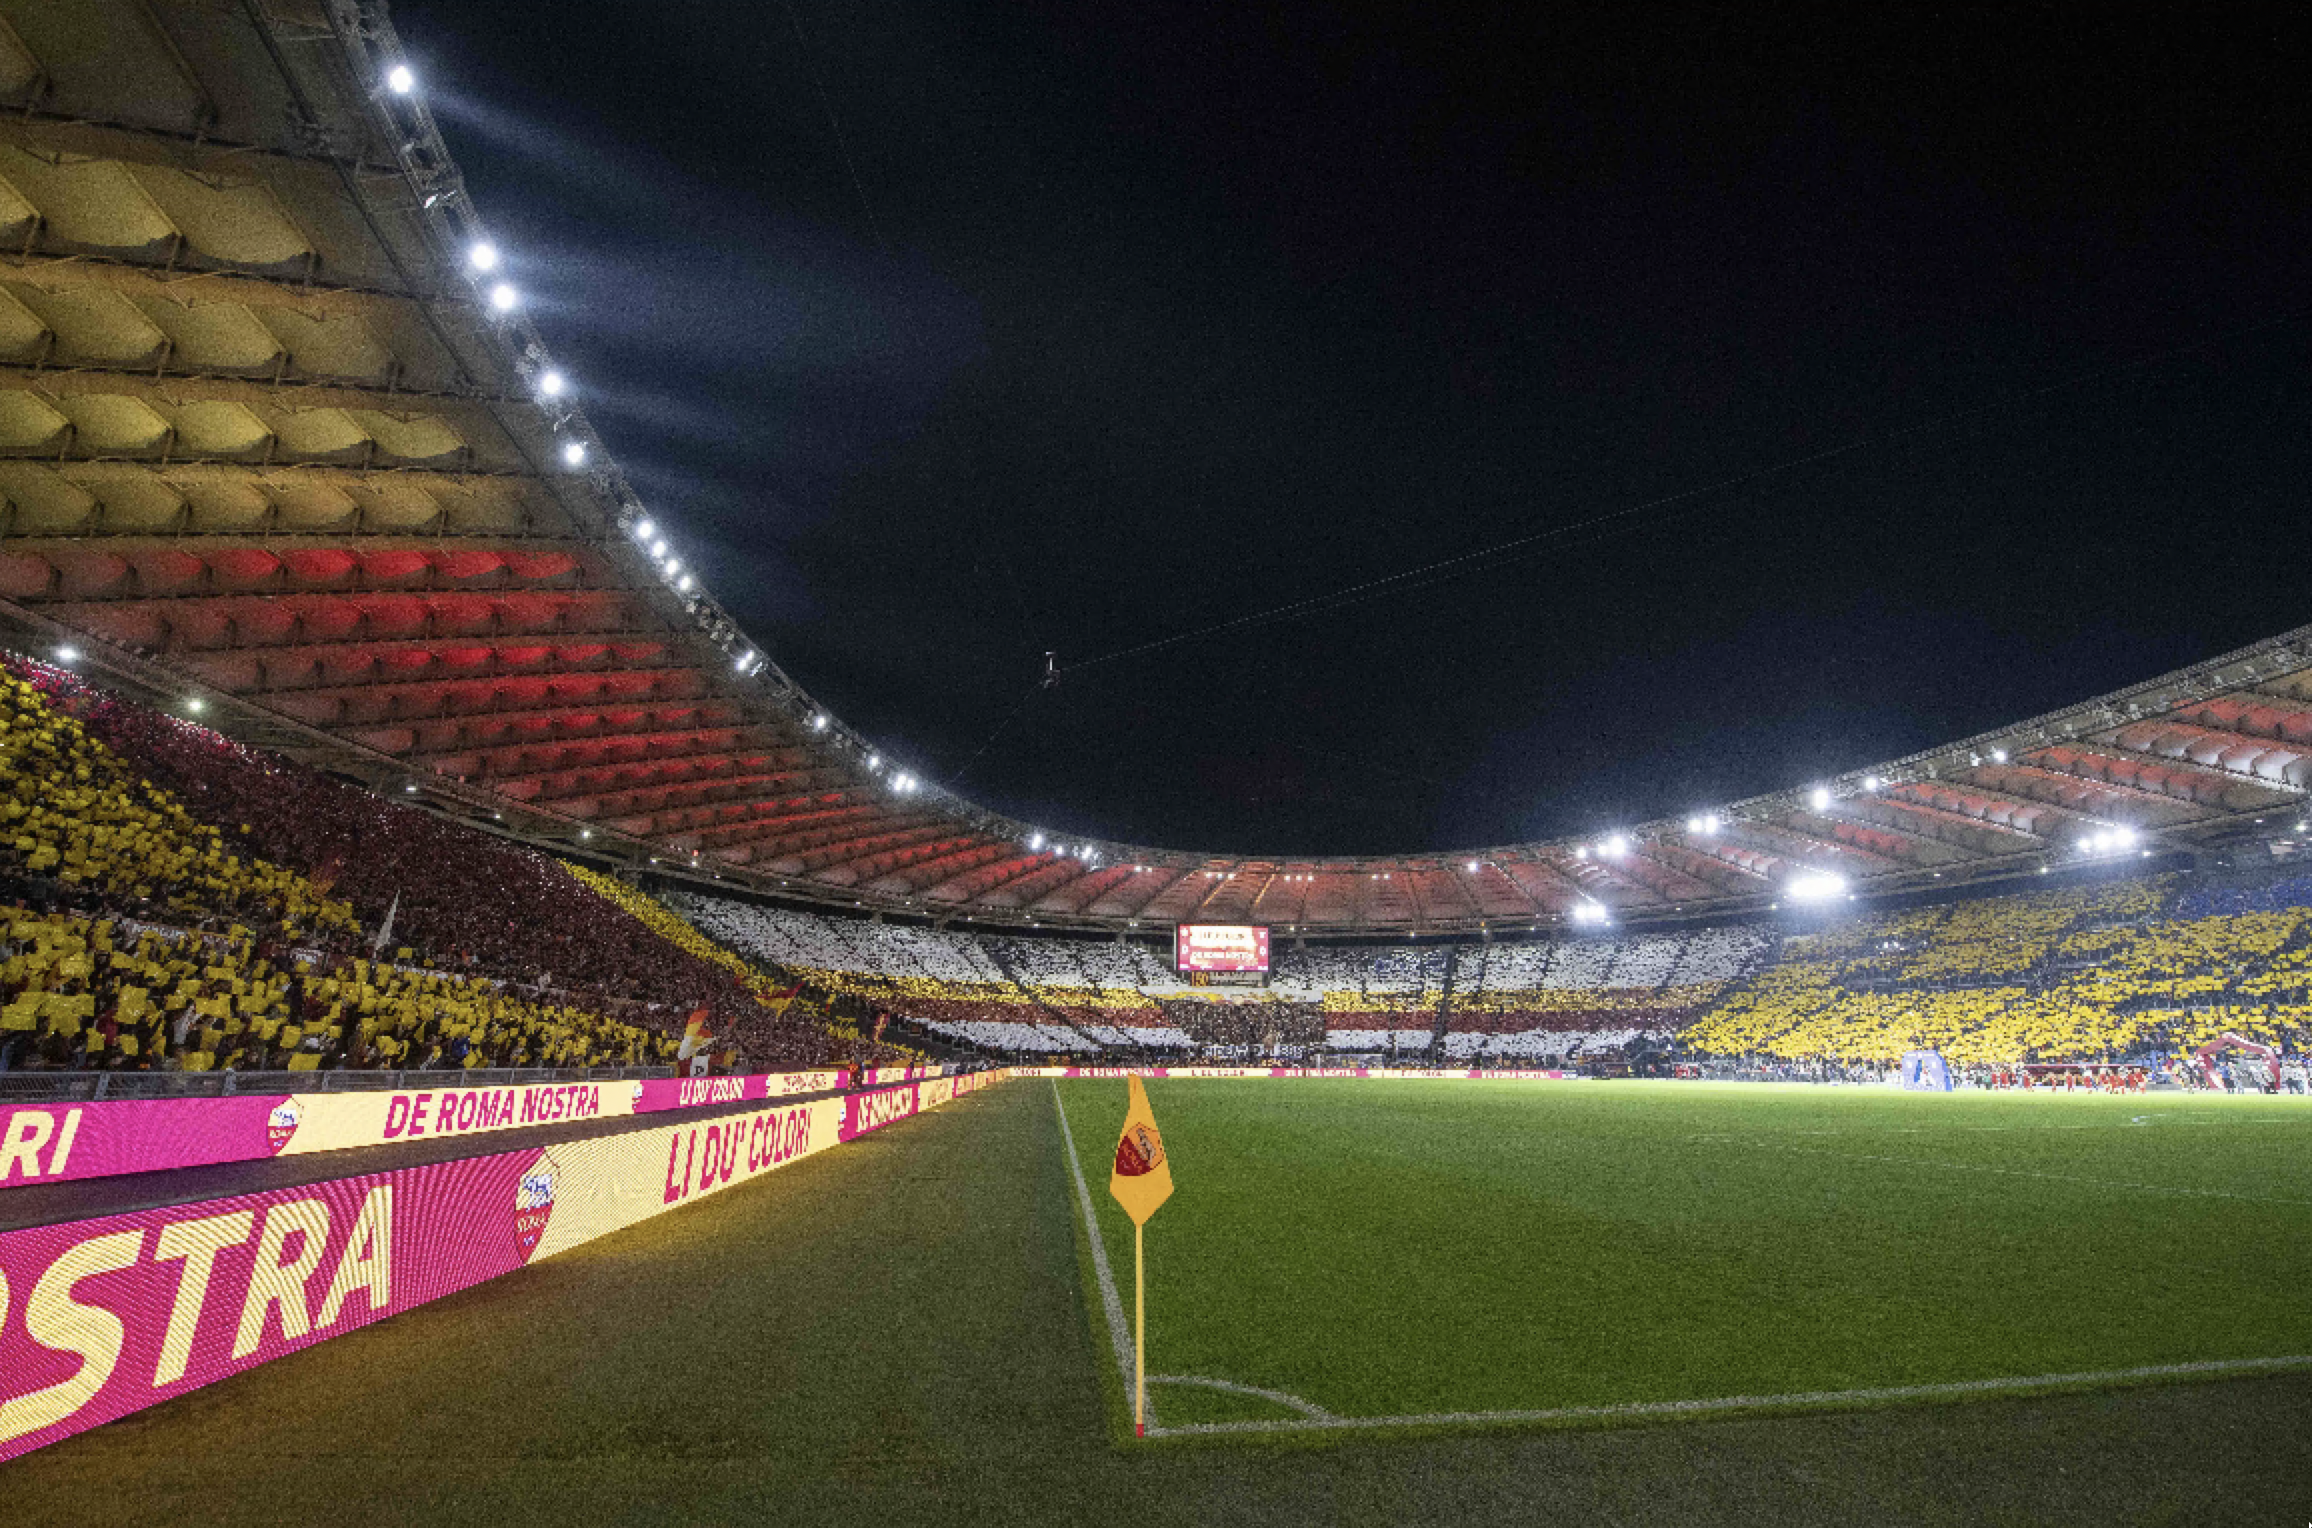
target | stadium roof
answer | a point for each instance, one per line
(273, 439)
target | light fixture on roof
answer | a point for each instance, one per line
(1816, 886)
(585, 832)
(482, 255)
(1581, 852)
(504, 298)
(410, 789)
(1819, 798)
(1998, 755)
(645, 528)
(1615, 846)
(196, 705)
(574, 453)
(673, 566)
(1473, 867)
(683, 583)
(819, 722)
(552, 383)
(400, 80)
(1035, 840)
(1871, 782)
(67, 654)
(1589, 912)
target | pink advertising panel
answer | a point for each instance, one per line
(99, 1318)
(1501, 1074)
(45, 1143)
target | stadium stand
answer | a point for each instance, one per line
(132, 833)
(2128, 970)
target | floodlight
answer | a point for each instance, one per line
(67, 654)
(503, 297)
(1816, 886)
(683, 583)
(483, 256)
(645, 529)
(1819, 798)
(196, 705)
(1615, 846)
(574, 453)
(399, 80)
(553, 384)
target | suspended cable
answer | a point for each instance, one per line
(1477, 559)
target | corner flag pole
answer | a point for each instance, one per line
(1139, 1332)
(1141, 1182)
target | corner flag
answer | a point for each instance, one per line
(1141, 1182)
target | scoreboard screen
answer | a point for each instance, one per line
(1220, 947)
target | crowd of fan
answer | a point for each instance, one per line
(117, 812)
(2093, 974)
(111, 994)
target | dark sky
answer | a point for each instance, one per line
(1101, 324)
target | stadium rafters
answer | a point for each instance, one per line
(273, 439)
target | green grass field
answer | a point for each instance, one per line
(900, 1332)
(1408, 1248)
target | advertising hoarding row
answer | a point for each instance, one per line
(50, 1143)
(103, 1317)
(1472, 1074)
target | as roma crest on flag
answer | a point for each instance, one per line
(1139, 1150)
(534, 1203)
(281, 1124)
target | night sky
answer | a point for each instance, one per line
(1091, 326)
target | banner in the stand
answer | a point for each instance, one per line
(46, 1143)
(99, 1318)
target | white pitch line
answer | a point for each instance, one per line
(1813, 1399)
(1288, 1401)
(1114, 1306)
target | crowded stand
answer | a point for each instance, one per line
(2138, 973)
(368, 932)
(184, 902)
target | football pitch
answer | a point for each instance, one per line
(908, 1330)
(1346, 1254)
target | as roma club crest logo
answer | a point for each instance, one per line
(282, 1124)
(636, 1095)
(1139, 1151)
(534, 1203)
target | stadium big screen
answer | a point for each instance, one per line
(1220, 947)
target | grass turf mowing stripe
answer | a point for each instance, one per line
(1417, 1255)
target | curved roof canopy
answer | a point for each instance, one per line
(268, 438)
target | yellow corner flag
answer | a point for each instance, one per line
(1141, 1182)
